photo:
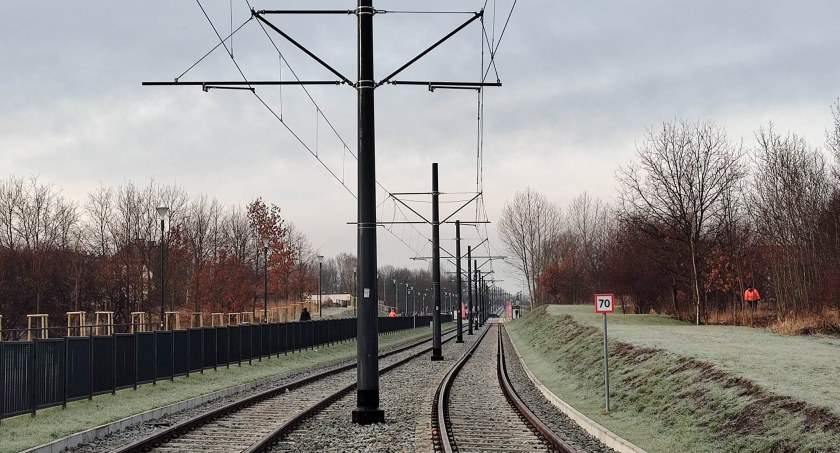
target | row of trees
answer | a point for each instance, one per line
(698, 216)
(57, 255)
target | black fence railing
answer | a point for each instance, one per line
(50, 372)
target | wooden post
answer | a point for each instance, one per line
(172, 321)
(217, 319)
(234, 319)
(76, 324)
(138, 321)
(247, 317)
(197, 320)
(104, 322)
(41, 323)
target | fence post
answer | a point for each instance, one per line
(155, 356)
(202, 350)
(172, 354)
(261, 341)
(250, 343)
(66, 372)
(33, 368)
(2, 380)
(189, 350)
(136, 357)
(240, 345)
(114, 367)
(90, 364)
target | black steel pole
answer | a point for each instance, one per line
(476, 280)
(162, 287)
(437, 351)
(459, 299)
(469, 291)
(367, 371)
(320, 313)
(265, 284)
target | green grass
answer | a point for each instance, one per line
(664, 401)
(23, 432)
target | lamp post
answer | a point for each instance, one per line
(406, 296)
(320, 313)
(265, 283)
(162, 212)
(396, 297)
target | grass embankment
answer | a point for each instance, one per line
(667, 401)
(23, 432)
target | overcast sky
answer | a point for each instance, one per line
(581, 82)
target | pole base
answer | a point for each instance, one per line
(368, 416)
(437, 358)
(437, 354)
(459, 340)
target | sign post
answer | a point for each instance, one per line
(604, 304)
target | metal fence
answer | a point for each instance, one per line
(50, 372)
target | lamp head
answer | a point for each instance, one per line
(162, 212)
(265, 242)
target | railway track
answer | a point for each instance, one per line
(477, 409)
(259, 421)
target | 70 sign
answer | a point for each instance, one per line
(604, 303)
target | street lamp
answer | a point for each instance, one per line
(413, 301)
(396, 297)
(320, 313)
(406, 296)
(265, 273)
(162, 212)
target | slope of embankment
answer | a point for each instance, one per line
(676, 387)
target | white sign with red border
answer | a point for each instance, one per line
(604, 303)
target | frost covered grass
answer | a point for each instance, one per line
(678, 387)
(23, 432)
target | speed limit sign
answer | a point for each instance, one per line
(604, 303)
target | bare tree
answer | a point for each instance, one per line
(594, 225)
(791, 188)
(528, 225)
(833, 136)
(677, 187)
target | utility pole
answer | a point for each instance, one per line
(437, 351)
(460, 328)
(469, 289)
(367, 345)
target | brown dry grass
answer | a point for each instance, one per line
(826, 322)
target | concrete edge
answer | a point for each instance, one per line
(89, 435)
(606, 436)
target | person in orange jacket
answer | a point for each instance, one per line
(751, 297)
(393, 314)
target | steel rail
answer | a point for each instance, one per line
(268, 441)
(442, 435)
(160, 437)
(545, 433)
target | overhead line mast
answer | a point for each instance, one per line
(367, 397)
